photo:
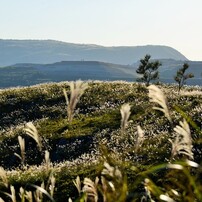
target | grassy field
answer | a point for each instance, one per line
(147, 160)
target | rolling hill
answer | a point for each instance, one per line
(30, 74)
(26, 74)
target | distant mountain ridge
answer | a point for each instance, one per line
(50, 51)
(30, 74)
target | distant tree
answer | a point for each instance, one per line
(181, 77)
(148, 70)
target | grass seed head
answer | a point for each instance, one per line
(157, 96)
(31, 130)
(3, 176)
(183, 141)
(125, 113)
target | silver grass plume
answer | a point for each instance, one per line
(140, 138)
(164, 197)
(157, 96)
(40, 190)
(77, 89)
(77, 183)
(90, 188)
(111, 171)
(52, 185)
(3, 177)
(13, 197)
(31, 130)
(125, 113)
(22, 149)
(116, 178)
(47, 160)
(28, 196)
(25, 195)
(104, 188)
(22, 194)
(183, 141)
(38, 194)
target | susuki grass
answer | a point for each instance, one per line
(125, 113)
(76, 90)
(183, 141)
(118, 147)
(22, 149)
(157, 96)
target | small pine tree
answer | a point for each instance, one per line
(181, 77)
(148, 70)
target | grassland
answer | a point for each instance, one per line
(81, 147)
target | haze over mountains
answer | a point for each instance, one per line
(50, 51)
(28, 62)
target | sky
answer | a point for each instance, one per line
(174, 23)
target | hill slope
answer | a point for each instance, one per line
(50, 51)
(30, 74)
(95, 137)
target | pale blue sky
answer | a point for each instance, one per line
(175, 23)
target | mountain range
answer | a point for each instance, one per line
(26, 74)
(50, 51)
(29, 62)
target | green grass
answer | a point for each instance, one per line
(94, 136)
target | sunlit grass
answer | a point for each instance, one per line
(137, 148)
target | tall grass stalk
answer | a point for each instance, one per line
(3, 177)
(13, 196)
(28, 196)
(157, 96)
(31, 130)
(77, 183)
(77, 89)
(140, 138)
(52, 185)
(22, 194)
(182, 143)
(47, 160)
(90, 188)
(125, 114)
(22, 150)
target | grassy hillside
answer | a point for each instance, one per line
(93, 144)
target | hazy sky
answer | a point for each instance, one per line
(175, 23)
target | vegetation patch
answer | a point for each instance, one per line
(125, 141)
